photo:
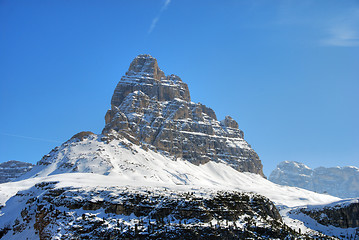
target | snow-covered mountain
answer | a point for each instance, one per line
(337, 181)
(83, 188)
(163, 168)
(12, 169)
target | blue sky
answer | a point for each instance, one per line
(287, 71)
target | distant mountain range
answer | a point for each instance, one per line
(342, 182)
(11, 170)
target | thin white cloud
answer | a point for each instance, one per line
(153, 24)
(342, 36)
(338, 28)
(344, 30)
(165, 5)
(155, 20)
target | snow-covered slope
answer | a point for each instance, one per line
(338, 181)
(115, 160)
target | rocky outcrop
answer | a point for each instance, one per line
(342, 182)
(157, 110)
(82, 135)
(11, 170)
(342, 216)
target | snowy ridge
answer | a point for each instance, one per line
(336, 204)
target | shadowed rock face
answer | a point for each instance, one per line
(346, 216)
(157, 110)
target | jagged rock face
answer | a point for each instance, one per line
(11, 170)
(157, 110)
(342, 182)
(145, 75)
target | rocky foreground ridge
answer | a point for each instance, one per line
(342, 182)
(152, 108)
(145, 213)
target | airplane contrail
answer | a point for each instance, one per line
(155, 20)
(30, 138)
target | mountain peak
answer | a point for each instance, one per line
(156, 110)
(145, 64)
(144, 75)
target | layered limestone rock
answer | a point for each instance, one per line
(145, 75)
(157, 111)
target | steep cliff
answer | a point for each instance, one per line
(156, 110)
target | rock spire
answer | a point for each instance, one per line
(156, 110)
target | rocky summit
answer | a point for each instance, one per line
(155, 110)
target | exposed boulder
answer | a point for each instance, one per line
(229, 122)
(82, 135)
